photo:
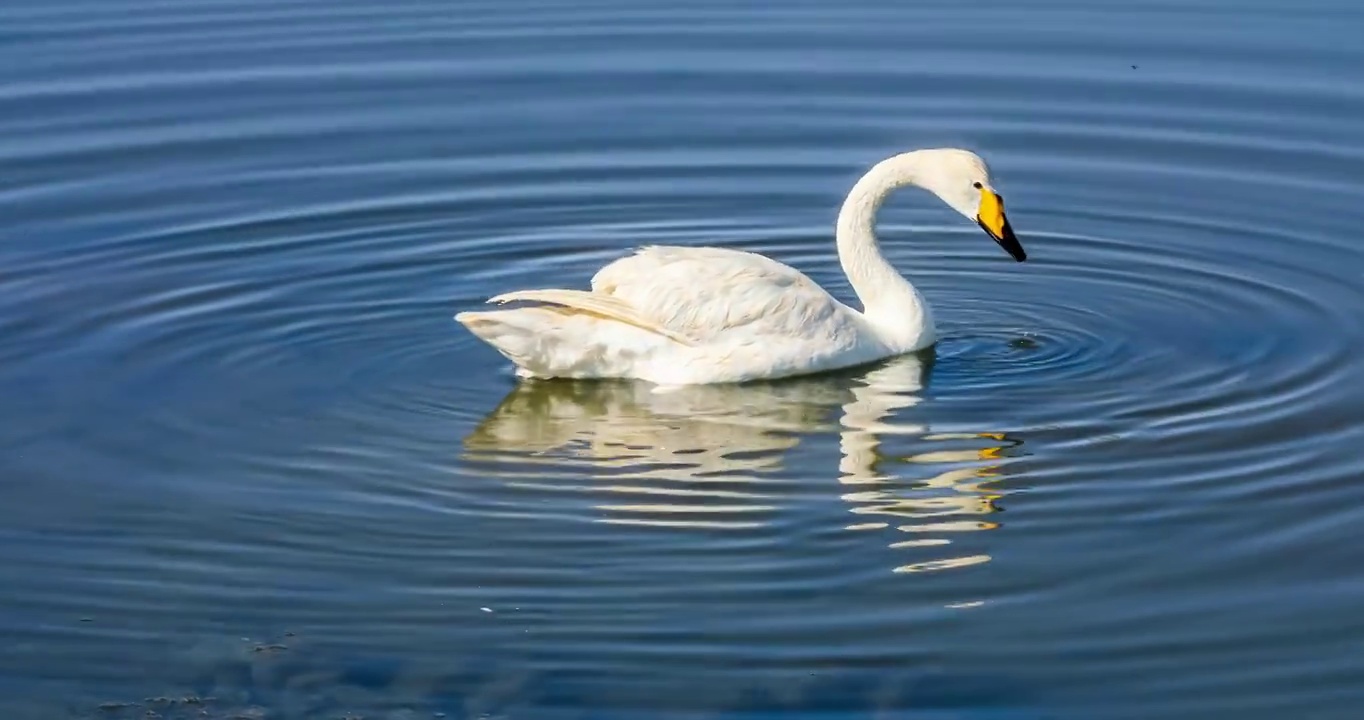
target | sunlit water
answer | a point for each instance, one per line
(251, 467)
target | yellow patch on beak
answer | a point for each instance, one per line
(990, 216)
(991, 213)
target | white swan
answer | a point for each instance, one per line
(683, 316)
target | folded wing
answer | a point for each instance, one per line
(701, 294)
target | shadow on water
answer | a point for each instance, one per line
(304, 687)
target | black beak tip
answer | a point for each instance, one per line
(1008, 241)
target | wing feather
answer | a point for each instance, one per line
(703, 292)
(594, 303)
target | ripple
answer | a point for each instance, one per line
(1185, 328)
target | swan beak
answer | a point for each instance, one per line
(992, 220)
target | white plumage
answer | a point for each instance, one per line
(678, 315)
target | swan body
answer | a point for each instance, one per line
(682, 316)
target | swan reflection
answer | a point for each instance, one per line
(718, 456)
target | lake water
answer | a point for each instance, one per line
(252, 468)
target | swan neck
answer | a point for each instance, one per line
(888, 300)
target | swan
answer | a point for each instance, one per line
(675, 316)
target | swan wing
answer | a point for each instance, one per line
(702, 293)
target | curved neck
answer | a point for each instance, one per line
(889, 301)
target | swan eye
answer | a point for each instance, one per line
(976, 185)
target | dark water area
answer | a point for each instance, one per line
(250, 467)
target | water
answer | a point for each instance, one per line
(250, 460)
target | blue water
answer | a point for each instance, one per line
(250, 467)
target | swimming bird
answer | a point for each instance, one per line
(675, 315)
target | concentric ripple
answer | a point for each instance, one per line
(249, 455)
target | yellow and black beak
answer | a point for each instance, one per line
(992, 220)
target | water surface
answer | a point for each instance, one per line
(251, 466)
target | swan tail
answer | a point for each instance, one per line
(558, 340)
(519, 335)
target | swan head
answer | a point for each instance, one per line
(962, 179)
